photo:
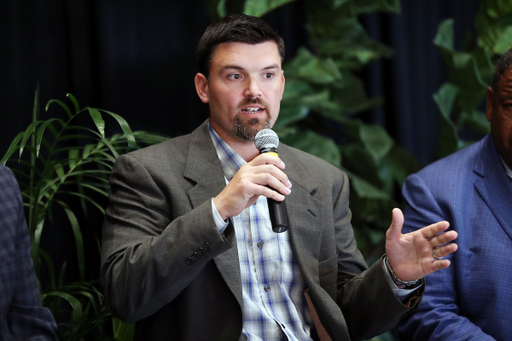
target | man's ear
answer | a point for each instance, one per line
(201, 87)
(488, 112)
(283, 80)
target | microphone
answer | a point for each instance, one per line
(266, 141)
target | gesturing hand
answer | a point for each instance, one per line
(411, 255)
(250, 182)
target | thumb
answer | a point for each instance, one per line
(395, 229)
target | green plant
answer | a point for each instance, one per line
(470, 71)
(69, 160)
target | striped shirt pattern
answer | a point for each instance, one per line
(274, 307)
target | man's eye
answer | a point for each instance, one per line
(235, 76)
(268, 75)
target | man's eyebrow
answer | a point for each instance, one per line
(238, 67)
(273, 66)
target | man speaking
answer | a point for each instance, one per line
(188, 248)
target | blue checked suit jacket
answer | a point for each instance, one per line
(472, 299)
(21, 315)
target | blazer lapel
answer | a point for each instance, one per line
(204, 168)
(304, 212)
(494, 186)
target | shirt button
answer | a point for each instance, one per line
(267, 288)
(260, 244)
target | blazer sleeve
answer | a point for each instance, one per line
(21, 314)
(438, 317)
(150, 254)
(366, 299)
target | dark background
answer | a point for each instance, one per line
(137, 59)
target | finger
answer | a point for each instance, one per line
(443, 238)
(267, 179)
(395, 229)
(267, 158)
(444, 251)
(433, 230)
(274, 172)
(439, 265)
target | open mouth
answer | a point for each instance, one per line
(252, 110)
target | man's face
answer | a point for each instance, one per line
(499, 113)
(244, 90)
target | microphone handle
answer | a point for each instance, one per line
(278, 215)
(277, 209)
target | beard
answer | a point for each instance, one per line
(246, 129)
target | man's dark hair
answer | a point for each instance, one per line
(238, 28)
(502, 65)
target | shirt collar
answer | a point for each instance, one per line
(507, 168)
(229, 159)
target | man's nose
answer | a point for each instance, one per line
(252, 88)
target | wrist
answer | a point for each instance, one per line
(401, 284)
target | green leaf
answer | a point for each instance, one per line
(365, 190)
(132, 144)
(476, 120)
(12, 147)
(314, 144)
(367, 6)
(311, 69)
(78, 238)
(36, 236)
(400, 164)
(258, 8)
(28, 133)
(448, 137)
(123, 331)
(444, 36)
(98, 120)
(74, 101)
(75, 303)
(73, 157)
(445, 98)
(64, 106)
(42, 129)
(376, 140)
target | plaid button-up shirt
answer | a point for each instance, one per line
(274, 307)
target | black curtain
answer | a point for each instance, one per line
(137, 59)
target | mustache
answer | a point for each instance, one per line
(249, 101)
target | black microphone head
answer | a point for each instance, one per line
(266, 139)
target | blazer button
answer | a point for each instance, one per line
(194, 256)
(200, 252)
(189, 261)
(206, 246)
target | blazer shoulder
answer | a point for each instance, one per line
(170, 147)
(458, 164)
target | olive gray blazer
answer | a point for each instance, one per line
(166, 266)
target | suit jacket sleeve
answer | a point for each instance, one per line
(21, 313)
(367, 301)
(150, 254)
(438, 316)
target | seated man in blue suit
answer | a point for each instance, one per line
(472, 189)
(21, 315)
